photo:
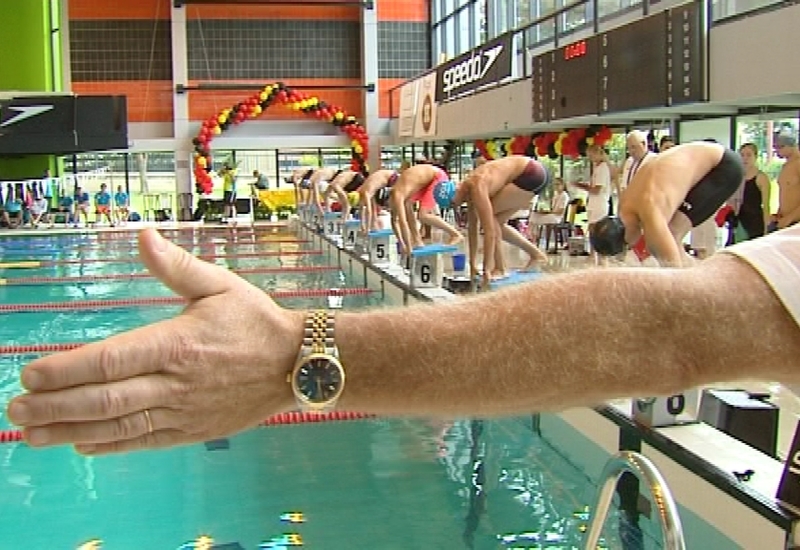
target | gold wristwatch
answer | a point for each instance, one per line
(317, 379)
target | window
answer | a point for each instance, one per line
(465, 34)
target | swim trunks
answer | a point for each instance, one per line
(714, 189)
(425, 195)
(354, 184)
(533, 178)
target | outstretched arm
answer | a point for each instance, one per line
(400, 222)
(513, 357)
(661, 242)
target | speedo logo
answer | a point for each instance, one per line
(470, 70)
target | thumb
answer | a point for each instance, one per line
(184, 274)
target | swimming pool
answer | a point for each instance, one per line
(372, 484)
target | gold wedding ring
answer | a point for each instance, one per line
(149, 421)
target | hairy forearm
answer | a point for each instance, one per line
(653, 332)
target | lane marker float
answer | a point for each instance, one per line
(79, 279)
(282, 419)
(82, 305)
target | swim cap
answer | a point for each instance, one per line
(382, 196)
(353, 198)
(443, 193)
(607, 236)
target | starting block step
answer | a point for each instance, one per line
(333, 224)
(426, 265)
(382, 247)
(515, 278)
(350, 236)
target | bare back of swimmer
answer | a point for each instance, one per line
(319, 185)
(494, 191)
(342, 185)
(677, 190)
(374, 193)
(419, 183)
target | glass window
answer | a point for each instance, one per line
(524, 13)
(501, 8)
(449, 7)
(436, 11)
(606, 8)
(450, 38)
(464, 32)
(482, 25)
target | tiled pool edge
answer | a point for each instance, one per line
(613, 431)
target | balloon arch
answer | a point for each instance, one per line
(254, 106)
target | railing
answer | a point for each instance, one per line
(551, 29)
(646, 471)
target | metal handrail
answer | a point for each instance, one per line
(645, 470)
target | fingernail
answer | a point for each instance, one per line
(85, 449)
(19, 413)
(159, 243)
(37, 437)
(31, 380)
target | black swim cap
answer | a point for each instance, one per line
(382, 196)
(607, 236)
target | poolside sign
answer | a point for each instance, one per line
(789, 488)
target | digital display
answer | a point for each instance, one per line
(686, 55)
(633, 71)
(574, 80)
(541, 85)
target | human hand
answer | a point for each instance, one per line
(214, 370)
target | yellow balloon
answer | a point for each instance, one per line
(257, 110)
(557, 147)
(226, 112)
(268, 90)
(339, 115)
(304, 104)
(562, 135)
(358, 149)
(216, 131)
(590, 141)
(221, 119)
(201, 161)
(313, 101)
(263, 96)
(295, 106)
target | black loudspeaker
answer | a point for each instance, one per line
(741, 415)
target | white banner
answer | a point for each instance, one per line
(425, 126)
(408, 108)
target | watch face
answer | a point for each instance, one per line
(319, 379)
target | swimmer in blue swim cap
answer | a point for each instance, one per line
(668, 196)
(417, 184)
(493, 193)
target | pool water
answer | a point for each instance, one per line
(371, 484)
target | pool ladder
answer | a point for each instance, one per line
(647, 473)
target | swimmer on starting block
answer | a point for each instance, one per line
(300, 180)
(428, 185)
(374, 194)
(494, 191)
(319, 186)
(676, 191)
(345, 183)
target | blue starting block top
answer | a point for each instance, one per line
(433, 249)
(332, 215)
(381, 233)
(351, 223)
(515, 278)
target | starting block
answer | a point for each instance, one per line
(426, 265)
(315, 221)
(350, 236)
(333, 225)
(382, 250)
(674, 410)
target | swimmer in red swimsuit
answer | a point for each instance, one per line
(494, 192)
(418, 184)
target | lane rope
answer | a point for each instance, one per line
(283, 419)
(83, 305)
(115, 245)
(35, 264)
(78, 279)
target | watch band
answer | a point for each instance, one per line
(319, 334)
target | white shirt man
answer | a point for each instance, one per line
(638, 154)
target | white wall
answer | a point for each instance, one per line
(500, 110)
(755, 57)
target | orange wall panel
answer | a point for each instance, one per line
(204, 104)
(147, 101)
(115, 9)
(404, 10)
(389, 102)
(338, 13)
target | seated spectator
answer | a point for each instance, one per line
(102, 204)
(82, 204)
(122, 202)
(65, 207)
